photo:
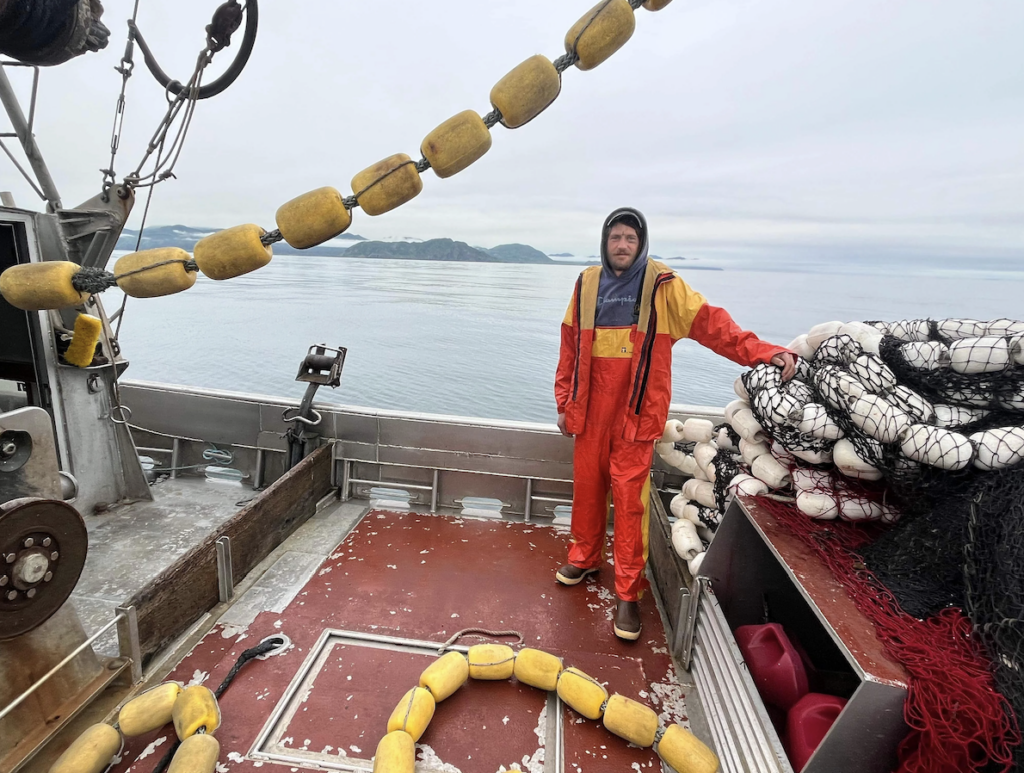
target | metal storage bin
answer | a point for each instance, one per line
(756, 572)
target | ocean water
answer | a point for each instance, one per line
(478, 339)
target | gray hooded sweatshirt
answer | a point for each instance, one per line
(618, 297)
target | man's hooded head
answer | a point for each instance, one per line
(624, 241)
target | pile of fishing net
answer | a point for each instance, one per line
(916, 424)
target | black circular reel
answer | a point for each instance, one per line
(43, 543)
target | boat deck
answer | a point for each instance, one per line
(401, 577)
(131, 544)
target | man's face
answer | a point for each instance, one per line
(623, 247)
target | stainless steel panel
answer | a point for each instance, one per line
(474, 438)
(498, 465)
(33, 469)
(271, 441)
(718, 721)
(768, 754)
(194, 416)
(868, 730)
(271, 421)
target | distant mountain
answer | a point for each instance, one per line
(447, 249)
(185, 237)
(517, 253)
(562, 255)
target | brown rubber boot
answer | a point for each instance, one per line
(627, 620)
(573, 575)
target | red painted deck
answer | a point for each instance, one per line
(427, 577)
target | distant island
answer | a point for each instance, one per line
(185, 237)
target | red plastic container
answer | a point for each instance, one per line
(774, 663)
(806, 724)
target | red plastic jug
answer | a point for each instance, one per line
(806, 724)
(774, 663)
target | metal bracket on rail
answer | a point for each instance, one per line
(321, 367)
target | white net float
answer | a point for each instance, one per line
(750, 451)
(855, 329)
(1004, 327)
(839, 349)
(804, 370)
(704, 453)
(747, 485)
(870, 340)
(698, 430)
(806, 479)
(961, 328)
(819, 506)
(762, 376)
(674, 457)
(953, 416)
(706, 495)
(926, 355)
(988, 354)
(815, 421)
(768, 469)
(692, 513)
(937, 447)
(875, 375)
(911, 403)
(801, 390)
(690, 489)
(859, 509)
(879, 419)
(733, 407)
(1016, 348)
(851, 464)
(740, 389)
(813, 456)
(694, 564)
(746, 426)
(781, 453)
(673, 432)
(837, 386)
(998, 449)
(919, 330)
(724, 440)
(698, 472)
(685, 540)
(679, 501)
(820, 332)
(800, 347)
(775, 405)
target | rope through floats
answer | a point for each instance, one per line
(479, 633)
(89, 279)
(248, 655)
(351, 202)
(322, 214)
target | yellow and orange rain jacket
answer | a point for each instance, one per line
(669, 310)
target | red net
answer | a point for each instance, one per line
(958, 720)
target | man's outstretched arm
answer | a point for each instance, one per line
(713, 327)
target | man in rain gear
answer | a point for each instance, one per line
(613, 387)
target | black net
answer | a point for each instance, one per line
(965, 548)
(938, 414)
(726, 468)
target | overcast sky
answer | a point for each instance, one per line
(818, 127)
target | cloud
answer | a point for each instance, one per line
(739, 127)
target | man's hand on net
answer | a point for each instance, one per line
(561, 425)
(786, 361)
